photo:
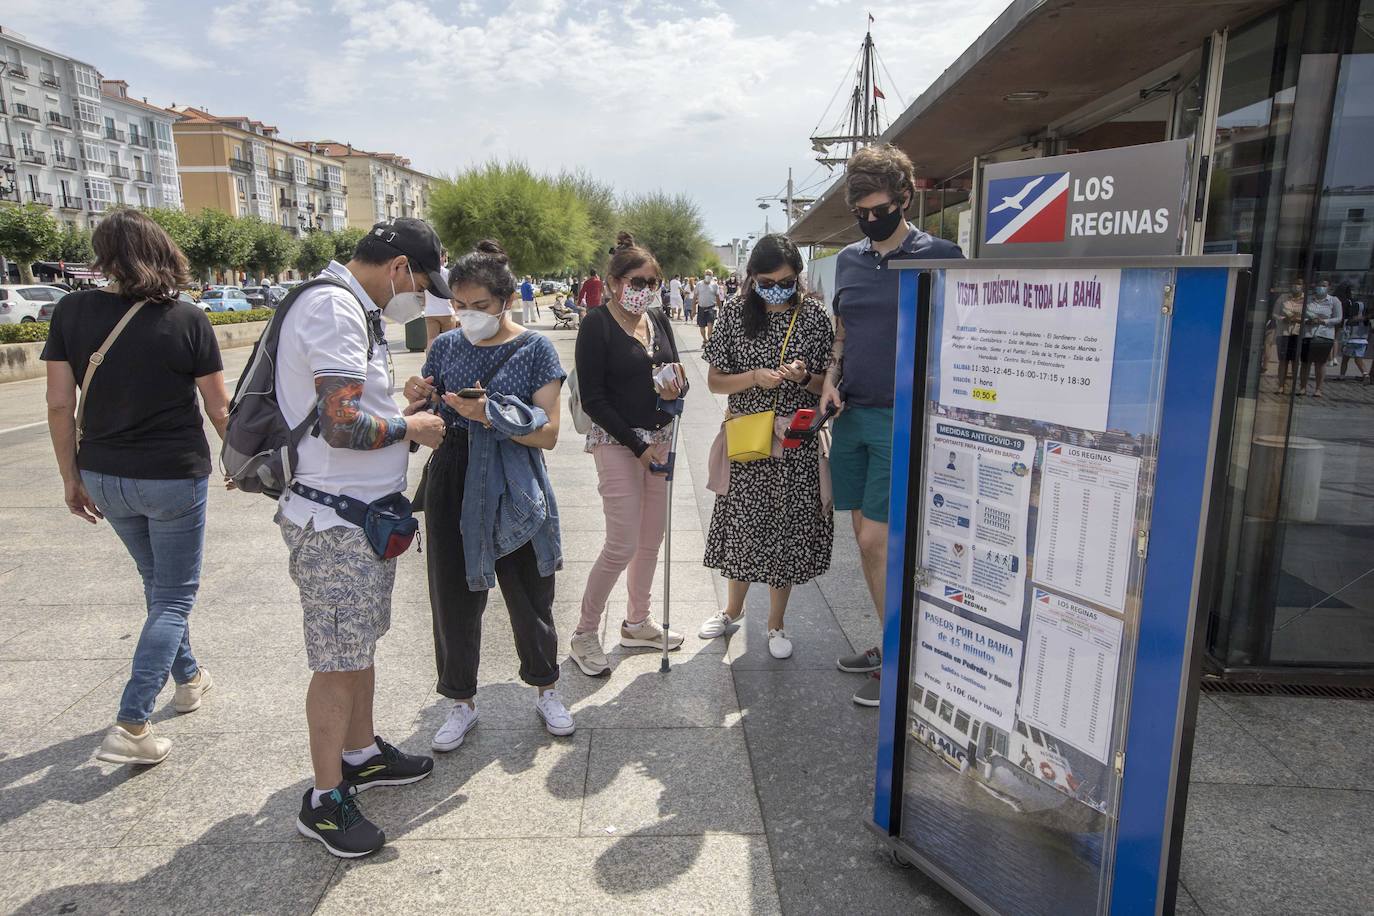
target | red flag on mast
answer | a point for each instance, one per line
(878, 93)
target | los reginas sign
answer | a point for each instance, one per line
(1127, 201)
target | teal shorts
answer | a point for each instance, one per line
(861, 460)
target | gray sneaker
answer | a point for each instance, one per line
(862, 663)
(869, 693)
(590, 657)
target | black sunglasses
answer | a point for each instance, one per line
(643, 283)
(877, 212)
(765, 283)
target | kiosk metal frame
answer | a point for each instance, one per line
(1143, 860)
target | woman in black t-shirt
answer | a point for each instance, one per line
(143, 462)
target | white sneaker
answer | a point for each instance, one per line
(122, 746)
(462, 718)
(556, 717)
(187, 697)
(717, 625)
(647, 633)
(590, 657)
(779, 646)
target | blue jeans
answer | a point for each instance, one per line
(162, 524)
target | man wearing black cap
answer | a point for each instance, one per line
(332, 363)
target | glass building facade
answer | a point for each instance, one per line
(1291, 184)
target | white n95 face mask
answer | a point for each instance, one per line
(403, 308)
(478, 326)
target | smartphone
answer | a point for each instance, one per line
(471, 393)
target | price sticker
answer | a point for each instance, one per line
(985, 394)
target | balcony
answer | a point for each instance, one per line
(57, 119)
(114, 133)
(143, 175)
(287, 203)
(141, 140)
(70, 203)
(32, 156)
(241, 165)
(63, 162)
(27, 112)
(7, 150)
(16, 70)
(281, 175)
(318, 184)
(51, 80)
(37, 197)
(118, 171)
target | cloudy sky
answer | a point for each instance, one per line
(716, 99)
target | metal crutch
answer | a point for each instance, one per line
(667, 469)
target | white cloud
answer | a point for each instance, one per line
(248, 21)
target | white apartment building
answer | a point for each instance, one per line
(76, 143)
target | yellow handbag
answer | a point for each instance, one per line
(749, 437)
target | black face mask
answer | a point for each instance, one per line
(882, 227)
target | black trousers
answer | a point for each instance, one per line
(457, 610)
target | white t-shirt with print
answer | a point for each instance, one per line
(325, 334)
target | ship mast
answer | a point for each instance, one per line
(862, 126)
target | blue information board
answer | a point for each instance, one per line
(1054, 442)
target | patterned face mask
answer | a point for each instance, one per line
(635, 301)
(777, 295)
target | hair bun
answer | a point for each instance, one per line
(624, 240)
(492, 248)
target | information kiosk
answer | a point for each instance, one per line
(1055, 436)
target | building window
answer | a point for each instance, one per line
(26, 142)
(59, 148)
(241, 188)
(89, 115)
(98, 193)
(163, 131)
(298, 167)
(260, 154)
(94, 154)
(142, 196)
(87, 82)
(135, 134)
(171, 192)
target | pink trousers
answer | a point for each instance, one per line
(636, 507)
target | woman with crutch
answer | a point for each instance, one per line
(627, 369)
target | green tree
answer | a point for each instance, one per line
(670, 226)
(73, 246)
(315, 251)
(25, 233)
(273, 249)
(345, 241)
(544, 227)
(180, 225)
(218, 242)
(602, 217)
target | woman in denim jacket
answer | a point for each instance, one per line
(490, 515)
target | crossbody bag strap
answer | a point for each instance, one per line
(524, 340)
(94, 362)
(782, 354)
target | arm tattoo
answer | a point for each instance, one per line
(343, 424)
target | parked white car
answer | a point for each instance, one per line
(21, 303)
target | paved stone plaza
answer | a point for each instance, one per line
(736, 783)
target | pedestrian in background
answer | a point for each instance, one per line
(497, 386)
(590, 296)
(675, 304)
(527, 300)
(707, 295)
(620, 351)
(131, 449)
(770, 352)
(688, 299)
(879, 187)
(1355, 333)
(438, 312)
(1323, 316)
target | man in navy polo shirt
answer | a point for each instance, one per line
(879, 186)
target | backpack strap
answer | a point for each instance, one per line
(94, 362)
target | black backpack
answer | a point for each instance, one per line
(259, 452)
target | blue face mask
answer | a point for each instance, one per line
(777, 295)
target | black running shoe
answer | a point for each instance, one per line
(391, 767)
(339, 825)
